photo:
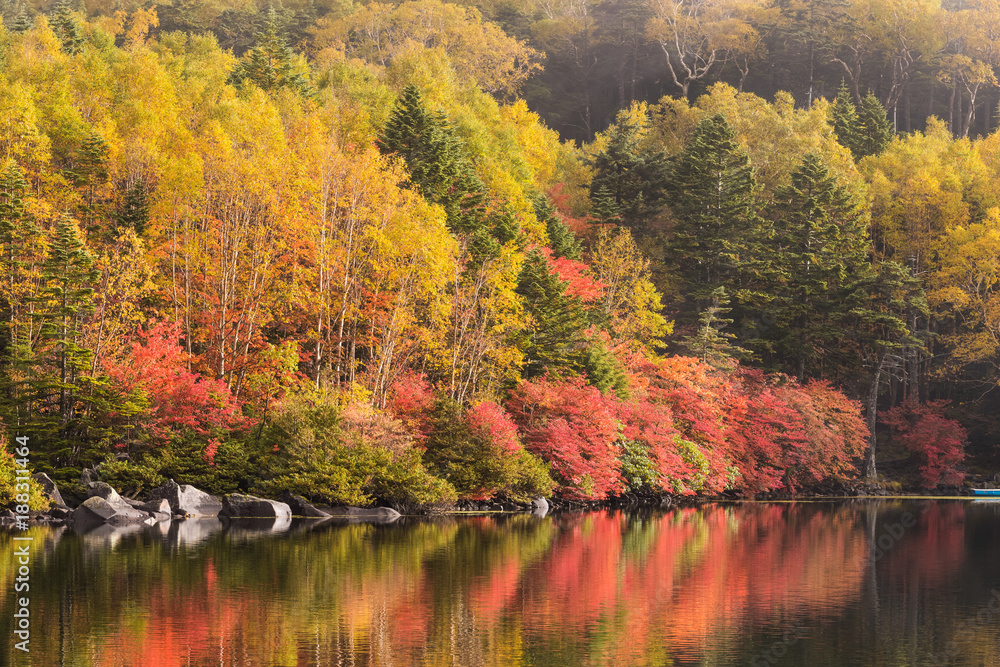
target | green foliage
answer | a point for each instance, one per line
(717, 237)
(477, 466)
(877, 128)
(711, 344)
(91, 161)
(846, 123)
(66, 27)
(320, 456)
(130, 479)
(270, 64)
(561, 239)
(821, 241)
(555, 330)
(234, 463)
(864, 132)
(695, 460)
(632, 175)
(133, 213)
(638, 470)
(37, 500)
(436, 160)
(61, 400)
(603, 370)
(603, 206)
(21, 21)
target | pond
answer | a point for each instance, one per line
(904, 582)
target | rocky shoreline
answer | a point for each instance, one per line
(172, 501)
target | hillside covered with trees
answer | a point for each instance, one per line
(338, 248)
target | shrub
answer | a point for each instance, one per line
(571, 426)
(348, 455)
(37, 500)
(936, 442)
(479, 453)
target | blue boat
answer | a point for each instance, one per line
(986, 492)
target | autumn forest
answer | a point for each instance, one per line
(423, 252)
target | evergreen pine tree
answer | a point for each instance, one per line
(66, 27)
(603, 207)
(561, 239)
(603, 370)
(821, 241)
(711, 344)
(61, 361)
(864, 132)
(846, 123)
(633, 177)
(436, 160)
(717, 236)
(22, 21)
(556, 320)
(19, 239)
(877, 128)
(880, 303)
(270, 64)
(134, 209)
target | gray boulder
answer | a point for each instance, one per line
(105, 491)
(302, 507)
(96, 509)
(158, 510)
(50, 488)
(59, 513)
(185, 499)
(239, 506)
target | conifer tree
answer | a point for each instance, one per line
(22, 21)
(633, 177)
(561, 239)
(717, 236)
(877, 128)
(64, 299)
(270, 64)
(66, 27)
(436, 160)
(880, 304)
(846, 123)
(554, 333)
(711, 344)
(866, 131)
(603, 207)
(20, 240)
(134, 209)
(603, 370)
(820, 242)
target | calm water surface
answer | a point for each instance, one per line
(859, 583)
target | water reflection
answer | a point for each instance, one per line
(798, 583)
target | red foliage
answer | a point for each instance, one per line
(572, 426)
(937, 441)
(581, 227)
(411, 399)
(179, 400)
(766, 436)
(834, 429)
(774, 432)
(489, 421)
(698, 398)
(576, 275)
